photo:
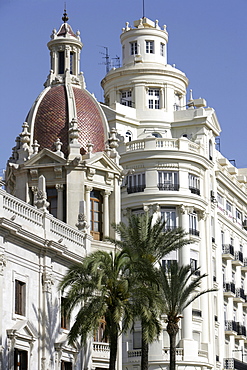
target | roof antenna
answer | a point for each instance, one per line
(143, 8)
(65, 17)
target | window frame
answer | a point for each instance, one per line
(96, 198)
(162, 49)
(133, 48)
(136, 182)
(149, 46)
(171, 183)
(20, 300)
(126, 98)
(169, 214)
(153, 97)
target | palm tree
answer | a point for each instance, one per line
(146, 242)
(179, 289)
(98, 287)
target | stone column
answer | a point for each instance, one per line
(106, 215)
(184, 259)
(59, 188)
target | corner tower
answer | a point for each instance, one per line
(145, 88)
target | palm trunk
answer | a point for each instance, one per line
(172, 330)
(113, 348)
(144, 354)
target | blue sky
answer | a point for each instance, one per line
(207, 41)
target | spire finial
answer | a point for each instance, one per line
(65, 17)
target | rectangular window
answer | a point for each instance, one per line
(136, 183)
(150, 47)
(170, 217)
(228, 206)
(238, 217)
(64, 317)
(96, 214)
(126, 98)
(20, 297)
(66, 365)
(168, 180)
(162, 49)
(153, 98)
(61, 62)
(137, 339)
(193, 224)
(193, 265)
(100, 335)
(20, 359)
(133, 48)
(52, 199)
(194, 184)
(72, 62)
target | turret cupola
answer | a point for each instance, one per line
(65, 47)
(147, 42)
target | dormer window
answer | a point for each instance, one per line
(133, 48)
(150, 47)
(61, 62)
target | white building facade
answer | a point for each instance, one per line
(168, 150)
(79, 165)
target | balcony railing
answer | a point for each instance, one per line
(233, 364)
(229, 287)
(228, 249)
(135, 189)
(240, 293)
(194, 190)
(241, 329)
(135, 353)
(170, 187)
(231, 325)
(194, 232)
(238, 256)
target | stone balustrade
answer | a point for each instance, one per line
(152, 143)
(21, 216)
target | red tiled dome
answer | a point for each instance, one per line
(52, 120)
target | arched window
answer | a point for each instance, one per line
(61, 63)
(156, 134)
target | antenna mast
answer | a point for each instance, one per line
(143, 8)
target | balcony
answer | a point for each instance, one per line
(238, 259)
(233, 364)
(241, 331)
(195, 190)
(240, 297)
(135, 353)
(135, 189)
(101, 352)
(230, 327)
(229, 289)
(194, 232)
(244, 266)
(169, 187)
(228, 252)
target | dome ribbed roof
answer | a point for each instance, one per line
(52, 120)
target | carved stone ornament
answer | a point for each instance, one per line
(109, 178)
(41, 202)
(3, 262)
(47, 281)
(34, 174)
(58, 172)
(82, 224)
(90, 173)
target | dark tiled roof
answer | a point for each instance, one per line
(89, 120)
(62, 31)
(51, 121)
